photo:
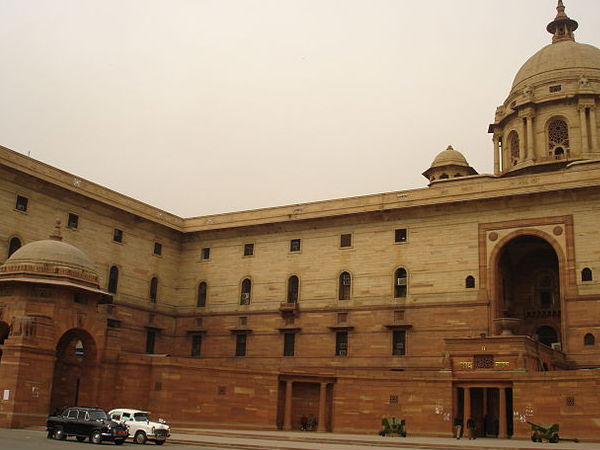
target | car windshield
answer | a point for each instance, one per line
(141, 417)
(98, 415)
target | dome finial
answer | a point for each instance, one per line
(57, 236)
(562, 26)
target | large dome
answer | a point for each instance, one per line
(51, 259)
(568, 57)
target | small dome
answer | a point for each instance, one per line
(566, 57)
(449, 157)
(51, 258)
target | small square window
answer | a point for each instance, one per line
(157, 248)
(73, 221)
(346, 240)
(400, 235)
(295, 245)
(248, 249)
(342, 317)
(21, 204)
(205, 254)
(118, 235)
(242, 321)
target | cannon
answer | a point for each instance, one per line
(391, 425)
(540, 433)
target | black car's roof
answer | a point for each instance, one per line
(85, 408)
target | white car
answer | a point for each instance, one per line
(140, 427)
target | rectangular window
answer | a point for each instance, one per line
(117, 235)
(248, 249)
(399, 343)
(346, 240)
(21, 204)
(157, 248)
(196, 344)
(400, 235)
(295, 245)
(73, 221)
(342, 317)
(150, 341)
(205, 254)
(240, 345)
(341, 343)
(289, 341)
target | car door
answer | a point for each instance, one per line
(70, 421)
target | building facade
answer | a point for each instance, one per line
(476, 296)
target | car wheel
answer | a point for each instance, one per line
(96, 437)
(80, 438)
(119, 441)
(140, 437)
(159, 442)
(59, 434)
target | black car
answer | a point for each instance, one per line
(83, 423)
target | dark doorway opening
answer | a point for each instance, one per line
(75, 371)
(528, 286)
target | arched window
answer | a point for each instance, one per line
(113, 279)
(547, 335)
(246, 292)
(345, 286)
(293, 284)
(589, 339)
(400, 283)
(153, 289)
(13, 245)
(558, 137)
(514, 145)
(201, 300)
(470, 282)
(586, 274)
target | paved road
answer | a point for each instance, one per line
(33, 439)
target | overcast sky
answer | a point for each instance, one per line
(206, 106)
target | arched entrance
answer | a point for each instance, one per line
(4, 331)
(528, 287)
(75, 370)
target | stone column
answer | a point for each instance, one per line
(287, 409)
(322, 400)
(530, 137)
(496, 140)
(454, 407)
(485, 410)
(466, 408)
(502, 414)
(584, 133)
(594, 128)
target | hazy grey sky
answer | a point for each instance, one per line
(207, 106)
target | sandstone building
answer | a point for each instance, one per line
(477, 295)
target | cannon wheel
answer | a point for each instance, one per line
(535, 437)
(554, 438)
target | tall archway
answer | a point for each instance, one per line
(528, 285)
(75, 370)
(4, 331)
